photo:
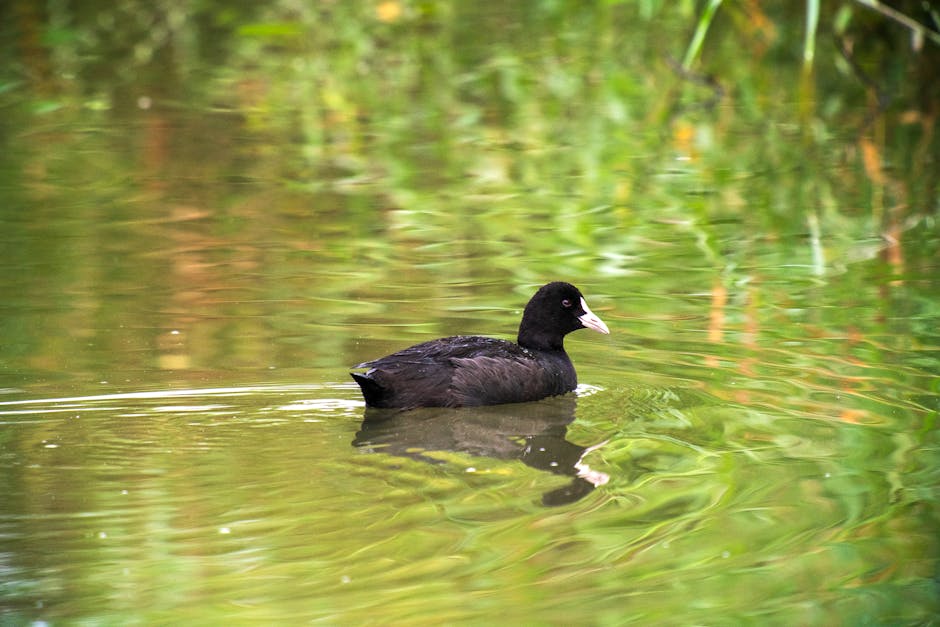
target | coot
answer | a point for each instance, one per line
(473, 370)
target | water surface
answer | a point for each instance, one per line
(192, 259)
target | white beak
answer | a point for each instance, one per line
(590, 321)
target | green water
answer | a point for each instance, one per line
(206, 218)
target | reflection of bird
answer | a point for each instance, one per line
(474, 370)
(533, 433)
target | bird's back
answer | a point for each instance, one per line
(464, 371)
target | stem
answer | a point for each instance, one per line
(812, 21)
(703, 23)
(902, 19)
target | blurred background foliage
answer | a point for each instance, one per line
(444, 133)
(206, 194)
(422, 94)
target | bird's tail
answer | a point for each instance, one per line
(372, 391)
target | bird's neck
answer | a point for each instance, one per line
(540, 341)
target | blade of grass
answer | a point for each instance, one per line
(812, 22)
(695, 45)
(902, 19)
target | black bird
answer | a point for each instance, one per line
(473, 370)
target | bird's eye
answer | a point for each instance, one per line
(566, 303)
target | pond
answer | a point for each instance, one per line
(198, 246)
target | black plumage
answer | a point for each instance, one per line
(473, 370)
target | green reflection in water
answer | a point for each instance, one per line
(199, 237)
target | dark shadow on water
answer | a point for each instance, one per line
(533, 433)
